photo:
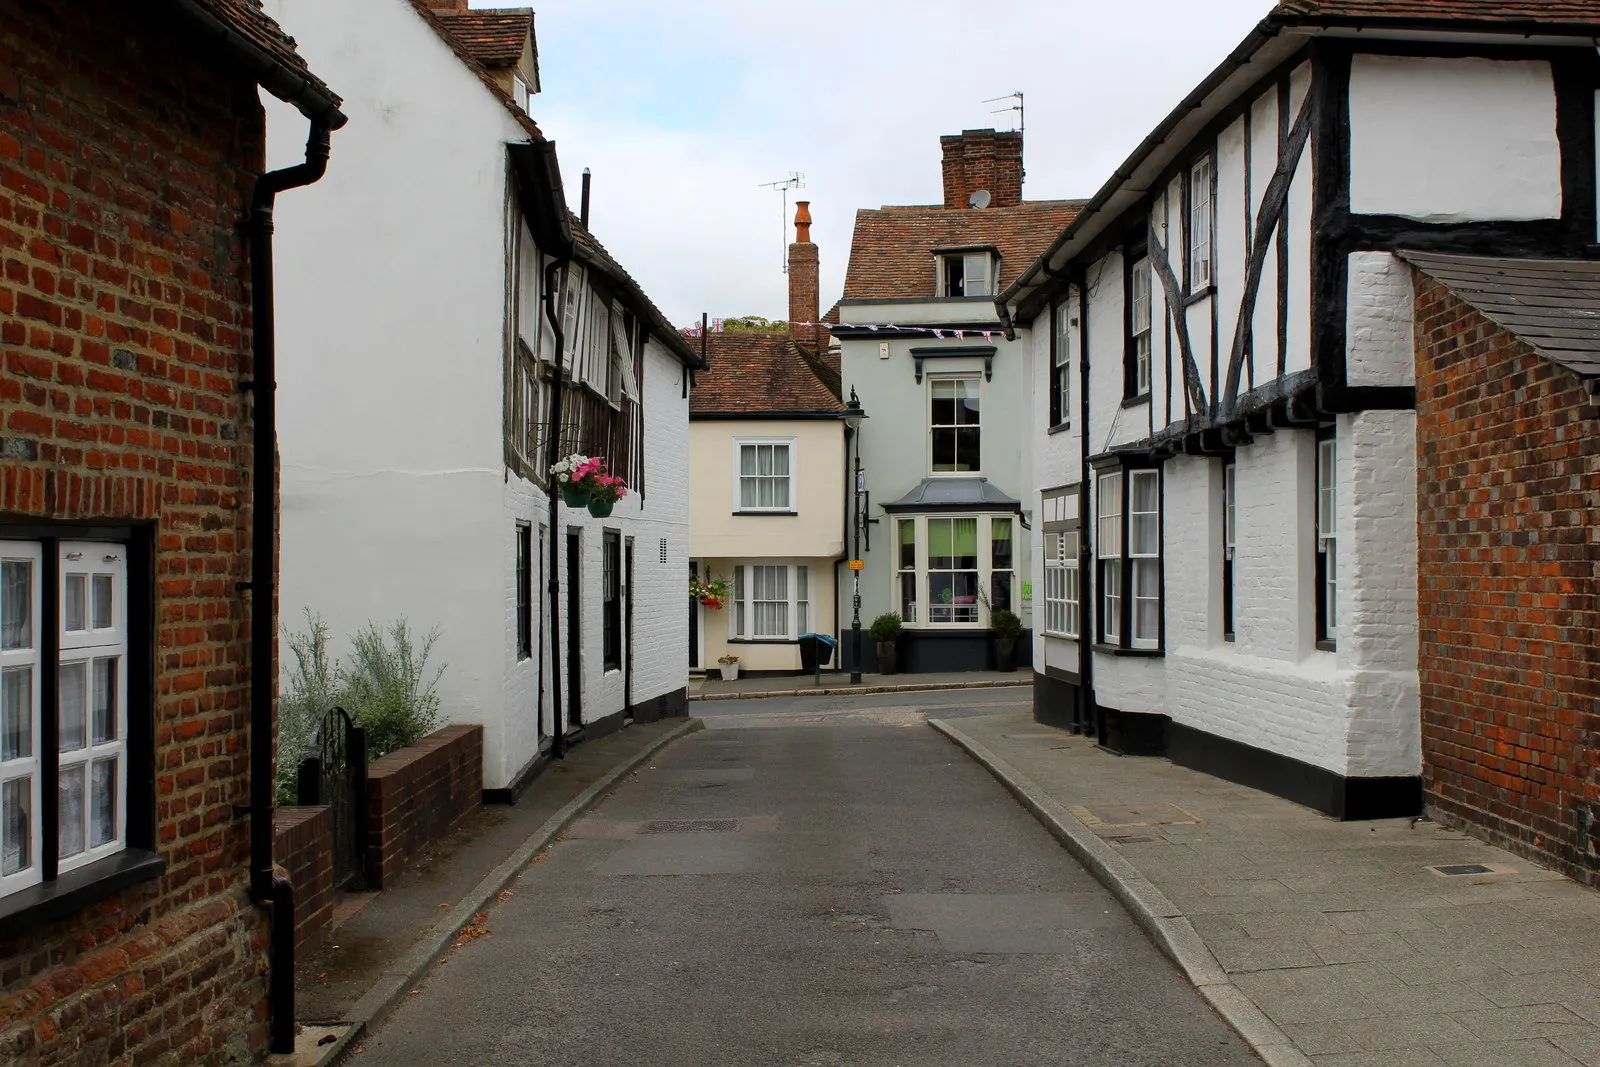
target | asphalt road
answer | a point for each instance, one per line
(845, 891)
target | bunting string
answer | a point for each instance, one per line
(939, 332)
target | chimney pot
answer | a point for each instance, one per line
(802, 222)
(803, 278)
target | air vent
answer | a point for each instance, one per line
(663, 550)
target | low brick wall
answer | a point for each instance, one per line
(302, 844)
(418, 795)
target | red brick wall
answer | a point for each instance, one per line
(418, 795)
(125, 166)
(982, 159)
(302, 844)
(1508, 464)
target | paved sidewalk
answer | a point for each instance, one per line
(1326, 943)
(383, 942)
(837, 683)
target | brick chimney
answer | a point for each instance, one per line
(982, 159)
(803, 277)
(447, 6)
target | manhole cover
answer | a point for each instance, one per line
(1102, 817)
(690, 826)
(1451, 870)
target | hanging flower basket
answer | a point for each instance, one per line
(574, 496)
(712, 593)
(600, 508)
(586, 482)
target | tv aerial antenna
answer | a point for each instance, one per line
(1022, 115)
(795, 180)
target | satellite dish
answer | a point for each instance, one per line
(979, 198)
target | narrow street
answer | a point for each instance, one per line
(808, 882)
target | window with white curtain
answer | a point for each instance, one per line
(953, 570)
(1128, 557)
(771, 601)
(1061, 583)
(1108, 499)
(1144, 552)
(765, 475)
(1200, 224)
(1138, 366)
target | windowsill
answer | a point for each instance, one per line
(611, 668)
(1229, 638)
(763, 640)
(1325, 645)
(1061, 637)
(757, 514)
(1118, 650)
(1060, 427)
(1135, 401)
(29, 908)
(1200, 294)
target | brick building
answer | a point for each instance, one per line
(1507, 468)
(131, 146)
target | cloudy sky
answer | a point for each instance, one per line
(683, 108)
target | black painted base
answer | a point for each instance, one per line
(1132, 733)
(608, 724)
(936, 651)
(1054, 701)
(1327, 792)
(512, 792)
(673, 705)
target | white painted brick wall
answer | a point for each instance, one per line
(1380, 322)
(1057, 461)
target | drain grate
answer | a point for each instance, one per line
(1132, 839)
(1452, 870)
(690, 826)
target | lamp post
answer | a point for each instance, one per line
(853, 418)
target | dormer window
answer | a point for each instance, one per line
(523, 93)
(966, 272)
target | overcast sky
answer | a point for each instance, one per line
(683, 108)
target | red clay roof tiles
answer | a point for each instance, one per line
(891, 254)
(247, 18)
(496, 38)
(760, 372)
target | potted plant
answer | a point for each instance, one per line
(601, 488)
(730, 668)
(885, 632)
(1007, 628)
(572, 493)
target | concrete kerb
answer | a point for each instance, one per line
(862, 690)
(1168, 927)
(397, 982)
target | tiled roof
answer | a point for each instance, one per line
(494, 37)
(438, 22)
(593, 254)
(248, 20)
(891, 254)
(1552, 304)
(760, 372)
(1570, 12)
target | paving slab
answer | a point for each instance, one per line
(1329, 943)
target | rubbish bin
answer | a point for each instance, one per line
(816, 650)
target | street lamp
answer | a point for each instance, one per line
(853, 418)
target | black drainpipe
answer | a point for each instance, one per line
(269, 887)
(1088, 708)
(558, 743)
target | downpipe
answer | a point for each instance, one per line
(269, 887)
(558, 741)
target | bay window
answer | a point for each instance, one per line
(961, 567)
(1061, 583)
(1128, 558)
(771, 602)
(65, 720)
(1327, 540)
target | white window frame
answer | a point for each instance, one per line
(790, 445)
(1328, 535)
(1230, 534)
(985, 569)
(522, 92)
(1201, 224)
(572, 318)
(1061, 584)
(1108, 498)
(1061, 364)
(796, 598)
(909, 608)
(1145, 553)
(1139, 324)
(967, 261)
(973, 381)
(29, 764)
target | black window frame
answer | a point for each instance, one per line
(59, 895)
(1121, 644)
(1324, 641)
(611, 599)
(524, 591)
(1133, 252)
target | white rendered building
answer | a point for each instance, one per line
(1223, 432)
(416, 378)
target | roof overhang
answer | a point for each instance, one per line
(540, 196)
(312, 99)
(954, 494)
